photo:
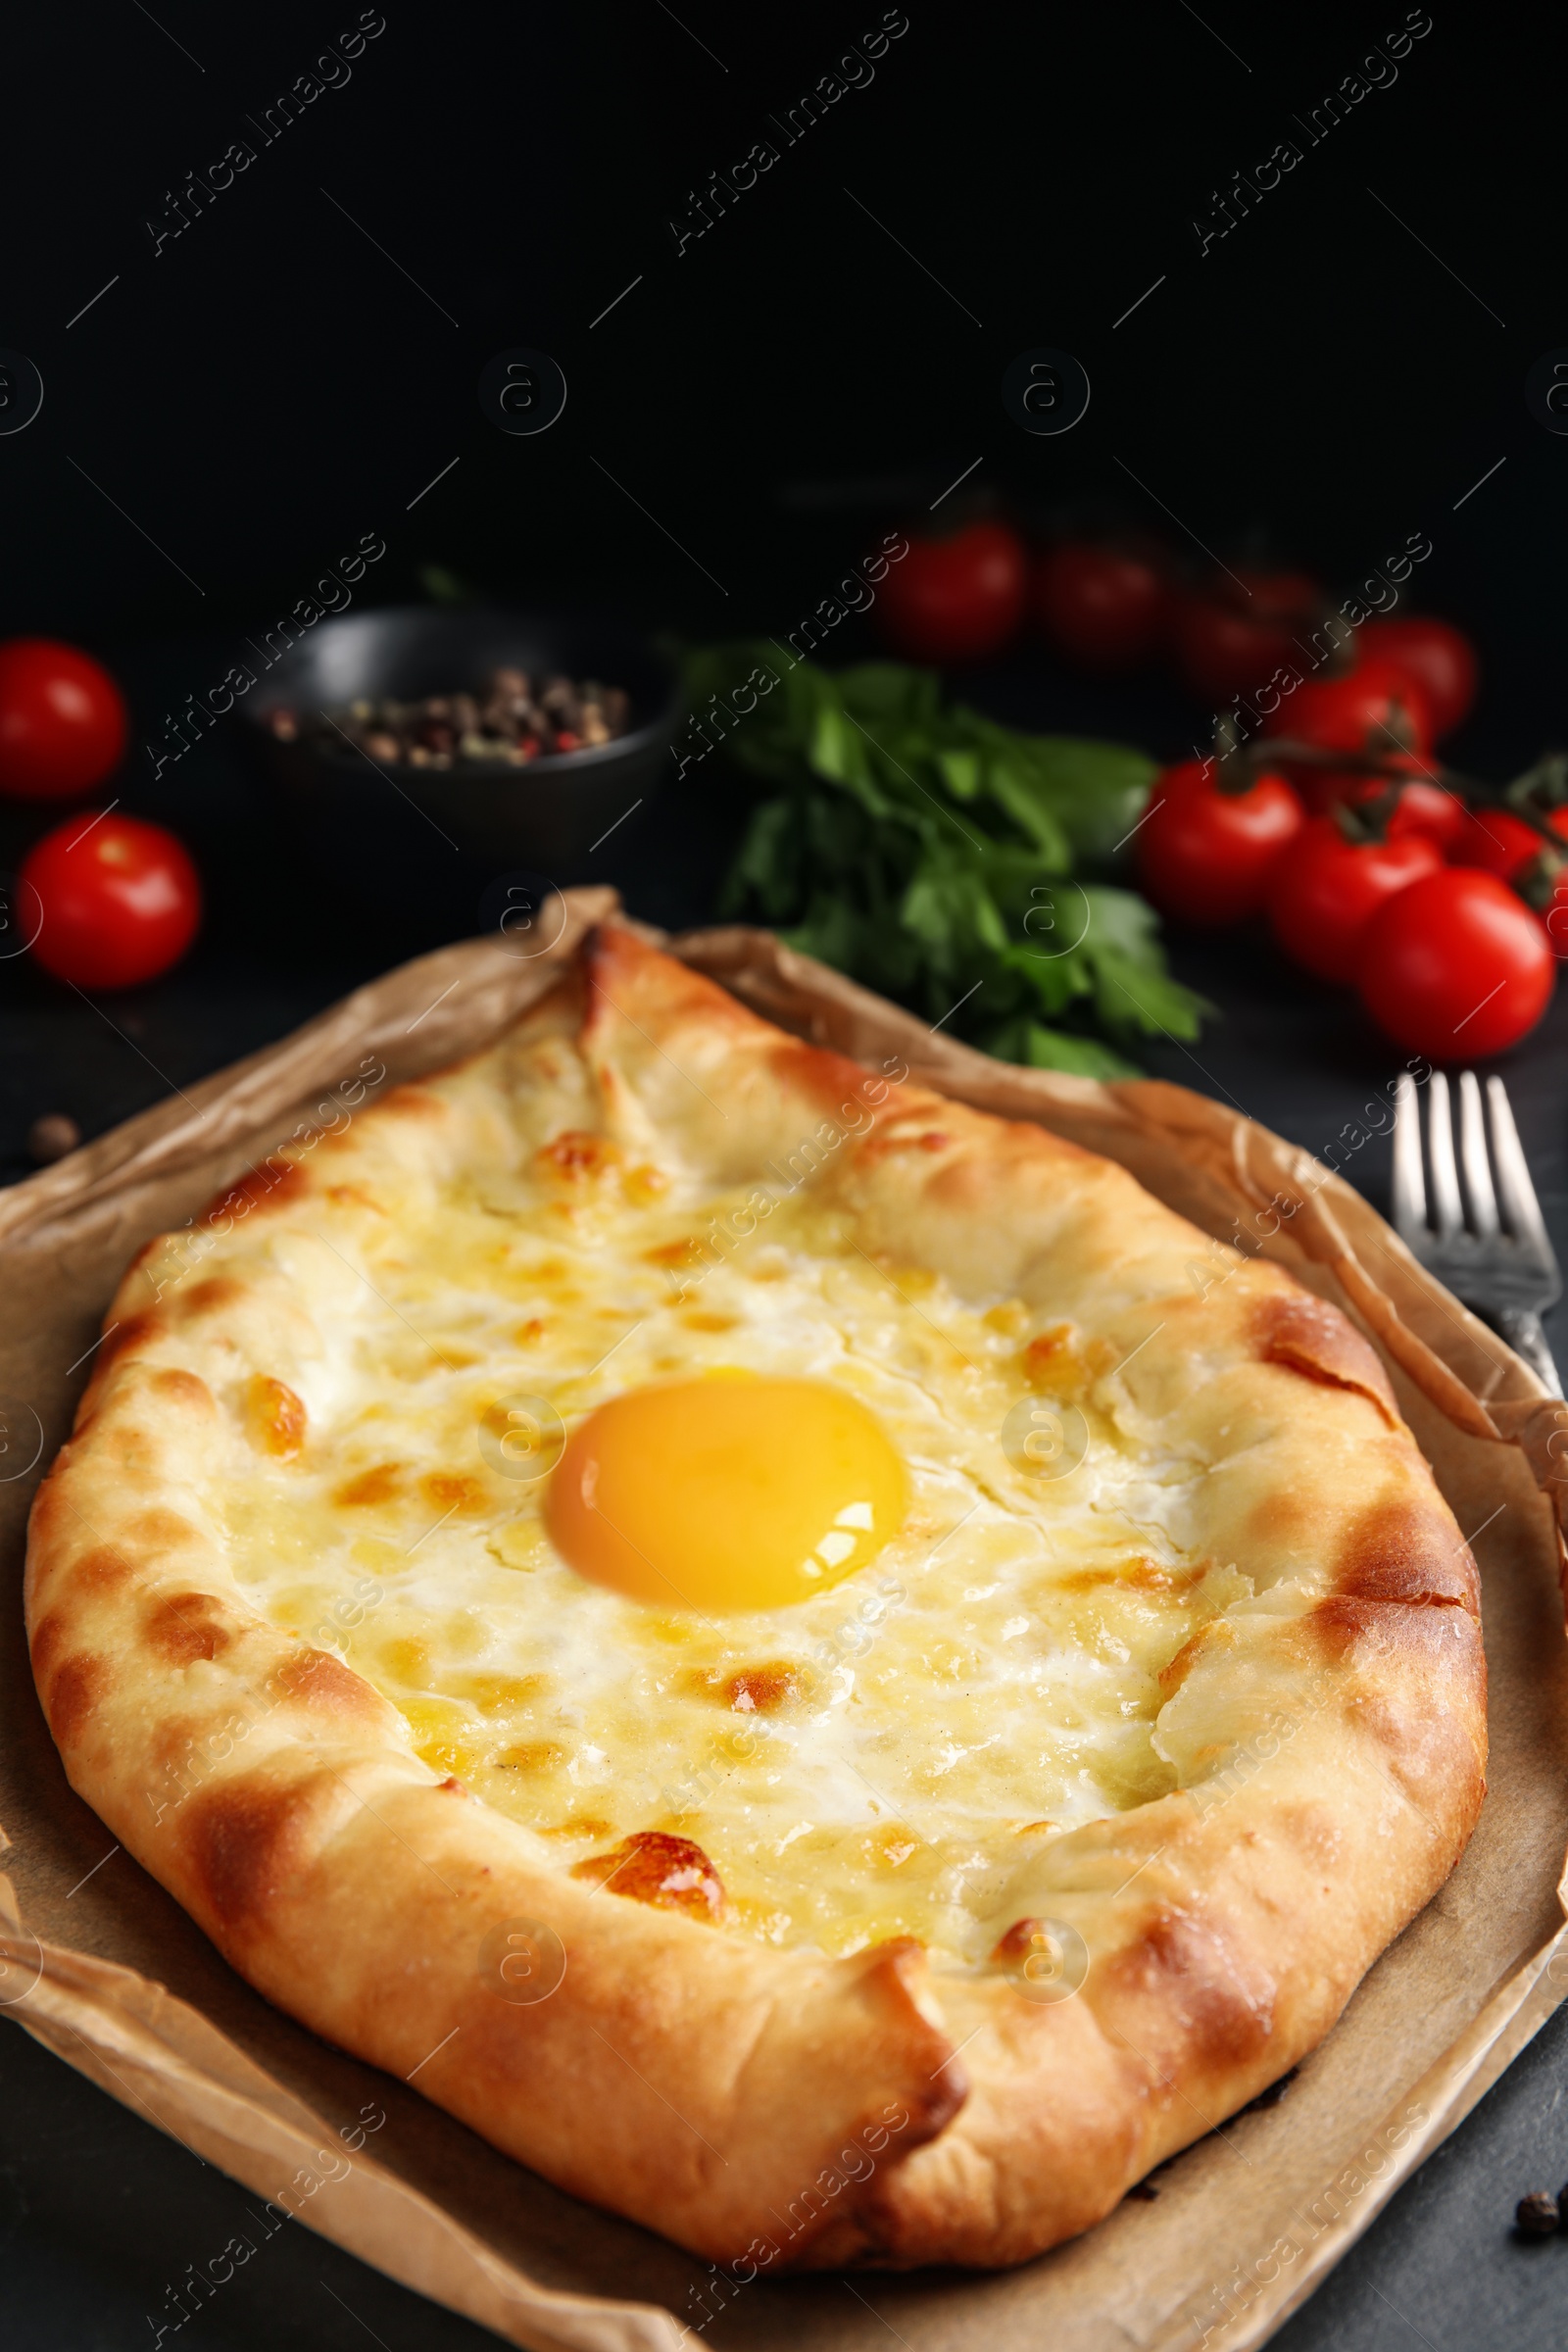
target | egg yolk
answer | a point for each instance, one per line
(739, 1493)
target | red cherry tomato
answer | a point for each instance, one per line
(1457, 967)
(1232, 637)
(1325, 789)
(1433, 656)
(63, 722)
(1326, 889)
(1099, 605)
(954, 599)
(1426, 808)
(1206, 855)
(1498, 842)
(1373, 707)
(113, 901)
(1421, 807)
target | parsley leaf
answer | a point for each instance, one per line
(930, 852)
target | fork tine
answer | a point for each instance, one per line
(1473, 1155)
(1446, 1207)
(1520, 1207)
(1409, 1185)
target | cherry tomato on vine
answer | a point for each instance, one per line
(1426, 808)
(956, 597)
(114, 901)
(1421, 806)
(1206, 855)
(1374, 708)
(1234, 635)
(1457, 967)
(1496, 842)
(1436, 655)
(63, 722)
(1103, 607)
(1329, 887)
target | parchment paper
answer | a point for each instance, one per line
(108, 1972)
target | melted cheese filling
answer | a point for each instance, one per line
(876, 1760)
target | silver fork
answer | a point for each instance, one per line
(1501, 1265)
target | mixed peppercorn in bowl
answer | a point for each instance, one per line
(512, 720)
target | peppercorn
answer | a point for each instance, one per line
(1535, 2215)
(501, 724)
(50, 1138)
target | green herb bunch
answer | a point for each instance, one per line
(930, 852)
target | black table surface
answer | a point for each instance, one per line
(98, 2211)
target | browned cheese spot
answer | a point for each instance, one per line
(644, 1184)
(574, 1156)
(1136, 1576)
(528, 1755)
(1050, 1361)
(753, 1690)
(455, 1491)
(1060, 1361)
(370, 1487)
(653, 1867)
(495, 1691)
(274, 1417)
(687, 1252)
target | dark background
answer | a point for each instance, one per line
(269, 386)
(1325, 382)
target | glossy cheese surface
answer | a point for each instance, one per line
(877, 1757)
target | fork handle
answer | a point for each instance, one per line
(1524, 1335)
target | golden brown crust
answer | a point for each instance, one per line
(1326, 1737)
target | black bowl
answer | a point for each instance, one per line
(409, 836)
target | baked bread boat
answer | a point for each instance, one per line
(900, 1899)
